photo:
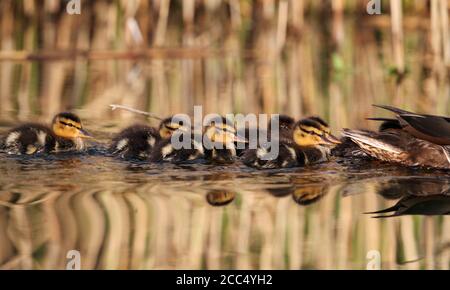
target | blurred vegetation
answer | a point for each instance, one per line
(296, 57)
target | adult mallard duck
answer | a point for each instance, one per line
(411, 145)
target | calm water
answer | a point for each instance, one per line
(122, 215)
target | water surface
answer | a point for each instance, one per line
(135, 215)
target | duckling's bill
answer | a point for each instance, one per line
(84, 134)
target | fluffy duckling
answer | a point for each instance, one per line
(223, 140)
(137, 141)
(286, 125)
(220, 147)
(66, 134)
(310, 143)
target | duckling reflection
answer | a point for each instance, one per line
(425, 196)
(220, 197)
(307, 195)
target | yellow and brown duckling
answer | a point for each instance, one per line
(138, 141)
(220, 138)
(310, 143)
(405, 146)
(65, 134)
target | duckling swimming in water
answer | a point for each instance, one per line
(223, 142)
(286, 125)
(220, 138)
(138, 141)
(310, 143)
(66, 134)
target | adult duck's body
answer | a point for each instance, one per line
(65, 134)
(411, 145)
(349, 149)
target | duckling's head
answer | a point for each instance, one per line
(219, 131)
(68, 125)
(313, 131)
(168, 126)
(285, 123)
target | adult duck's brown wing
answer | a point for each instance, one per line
(404, 112)
(435, 129)
(430, 128)
(398, 146)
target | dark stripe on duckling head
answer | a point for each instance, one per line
(68, 116)
(310, 126)
(318, 120)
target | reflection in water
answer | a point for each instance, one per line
(123, 215)
(418, 205)
(418, 196)
(220, 198)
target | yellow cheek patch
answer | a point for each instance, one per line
(305, 139)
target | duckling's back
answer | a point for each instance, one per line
(136, 141)
(29, 139)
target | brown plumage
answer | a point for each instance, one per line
(398, 146)
(435, 129)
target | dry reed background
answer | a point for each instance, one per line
(297, 57)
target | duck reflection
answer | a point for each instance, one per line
(417, 196)
(308, 195)
(303, 194)
(220, 197)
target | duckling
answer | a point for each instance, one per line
(310, 143)
(137, 141)
(286, 125)
(223, 142)
(412, 145)
(66, 134)
(220, 147)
